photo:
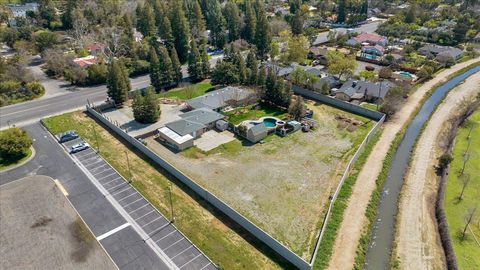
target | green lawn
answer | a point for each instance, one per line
(369, 106)
(239, 115)
(7, 163)
(216, 237)
(185, 93)
(468, 250)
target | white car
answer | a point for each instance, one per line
(79, 147)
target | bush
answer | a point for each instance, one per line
(385, 73)
(444, 161)
(97, 74)
(14, 143)
(35, 88)
(139, 67)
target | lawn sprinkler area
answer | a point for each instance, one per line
(283, 183)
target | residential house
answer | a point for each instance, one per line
(86, 61)
(21, 10)
(319, 54)
(373, 50)
(97, 48)
(363, 90)
(219, 99)
(367, 38)
(322, 37)
(181, 133)
(439, 52)
(330, 81)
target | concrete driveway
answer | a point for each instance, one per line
(212, 139)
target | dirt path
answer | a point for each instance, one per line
(419, 244)
(350, 231)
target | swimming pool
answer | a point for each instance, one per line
(268, 122)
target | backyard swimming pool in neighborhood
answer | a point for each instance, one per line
(268, 122)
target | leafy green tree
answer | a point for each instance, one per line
(303, 78)
(215, 21)
(252, 66)
(342, 11)
(14, 144)
(180, 30)
(97, 74)
(340, 64)
(176, 66)
(296, 49)
(411, 15)
(35, 88)
(297, 23)
(67, 18)
(367, 75)
(232, 16)
(194, 62)
(295, 6)
(262, 76)
(47, 12)
(118, 84)
(138, 107)
(45, 40)
(263, 36)
(146, 21)
(145, 108)
(225, 73)
(250, 22)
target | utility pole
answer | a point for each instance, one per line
(171, 202)
(96, 139)
(129, 170)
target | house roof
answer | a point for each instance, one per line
(318, 51)
(203, 116)
(356, 89)
(96, 47)
(375, 47)
(85, 61)
(219, 98)
(369, 37)
(437, 49)
(184, 127)
(175, 136)
(257, 129)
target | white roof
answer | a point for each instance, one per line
(174, 136)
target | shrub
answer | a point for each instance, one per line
(14, 143)
(385, 73)
(35, 88)
(444, 161)
(97, 74)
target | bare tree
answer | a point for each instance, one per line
(468, 219)
(79, 28)
(112, 36)
(465, 180)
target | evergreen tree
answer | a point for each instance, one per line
(364, 9)
(67, 19)
(263, 35)
(250, 22)
(47, 12)
(252, 65)
(215, 21)
(165, 29)
(241, 68)
(197, 21)
(262, 77)
(232, 16)
(297, 23)
(411, 15)
(180, 30)
(297, 108)
(176, 66)
(225, 73)
(118, 83)
(127, 37)
(151, 108)
(167, 74)
(342, 12)
(155, 72)
(148, 27)
(138, 107)
(205, 61)
(194, 62)
(295, 6)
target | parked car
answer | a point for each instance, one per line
(79, 147)
(67, 136)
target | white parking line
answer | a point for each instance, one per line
(174, 243)
(182, 252)
(127, 197)
(111, 181)
(145, 215)
(206, 265)
(84, 155)
(107, 234)
(88, 159)
(150, 222)
(139, 208)
(118, 192)
(166, 235)
(103, 177)
(116, 186)
(200, 254)
(92, 163)
(95, 174)
(130, 203)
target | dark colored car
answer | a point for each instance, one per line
(67, 136)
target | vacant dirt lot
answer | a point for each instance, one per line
(40, 229)
(281, 185)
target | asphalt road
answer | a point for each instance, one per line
(126, 246)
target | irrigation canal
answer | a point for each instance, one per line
(381, 240)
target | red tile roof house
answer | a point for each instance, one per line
(84, 62)
(370, 38)
(96, 48)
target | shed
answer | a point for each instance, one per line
(256, 133)
(221, 125)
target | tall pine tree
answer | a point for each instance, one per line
(250, 22)
(180, 30)
(176, 66)
(232, 16)
(118, 84)
(197, 21)
(194, 62)
(263, 35)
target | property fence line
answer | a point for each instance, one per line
(349, 107)
(233, 214)
(377, 116)
(260, 234)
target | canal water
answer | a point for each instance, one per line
(381, 240)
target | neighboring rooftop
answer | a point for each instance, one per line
(219, 98)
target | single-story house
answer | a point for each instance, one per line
(319, 54)
(219, 99)
(86, 61)
(370, 38)
(363, 90)
(373, 50)
(181, 133)
(21, 10)
(96, 48)
(331, 81)
(323, 36)
(437, 51)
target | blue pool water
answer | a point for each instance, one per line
(270, 122)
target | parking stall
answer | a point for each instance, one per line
(161, 231)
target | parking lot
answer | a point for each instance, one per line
(143, 216)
